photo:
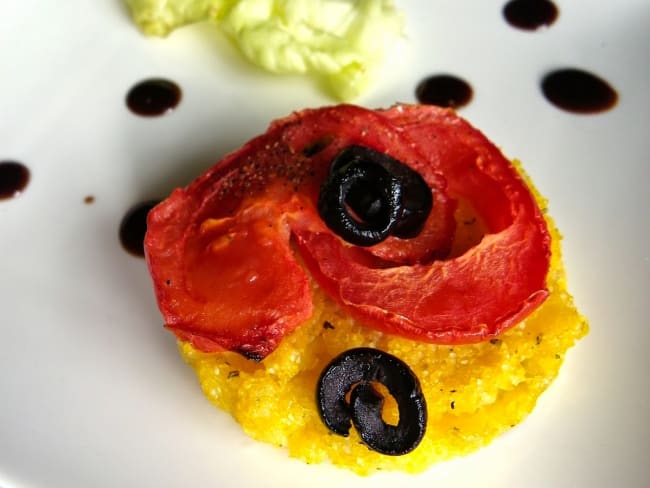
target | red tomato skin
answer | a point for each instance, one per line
(271, 183)
(469, 298)
(205, 243)
(253, 312)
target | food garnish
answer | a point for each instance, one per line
(353, 373)
(368, 196)
(341, 43)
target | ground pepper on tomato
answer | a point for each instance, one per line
(230, 254)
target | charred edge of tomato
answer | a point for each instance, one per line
(317, 146)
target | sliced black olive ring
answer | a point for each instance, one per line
(354, 371)
(375, 213)
(347, 186)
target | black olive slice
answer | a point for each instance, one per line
(354, 371)
(417, 198)
(417, 201)
(342, 190)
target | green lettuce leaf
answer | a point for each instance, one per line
(160, 17)
(342, 42)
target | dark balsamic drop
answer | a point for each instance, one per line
(153, 97)
(530, 14)
(13, 179)
(134, 226)
(578, 91)
(444, 91)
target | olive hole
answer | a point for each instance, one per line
(365, 205)
(390, 411)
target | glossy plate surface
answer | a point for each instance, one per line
(92, 390)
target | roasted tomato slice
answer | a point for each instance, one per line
(465, 298)
(220, 251)
(228, 253)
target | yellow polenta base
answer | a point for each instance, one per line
(473, 392)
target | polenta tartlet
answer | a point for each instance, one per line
(391, 259)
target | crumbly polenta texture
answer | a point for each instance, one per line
(473, 392)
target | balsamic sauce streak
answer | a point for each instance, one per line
(530, 14)
(134, 226)
(14, 177)
(153, 97)
(444, 90)
(578, 91)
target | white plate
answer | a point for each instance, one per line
(92, 391)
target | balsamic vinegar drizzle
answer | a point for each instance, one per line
(578, 91)
(14, 177)
(153, 97)
(444, 90)
(530, 14)
(134, 226)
